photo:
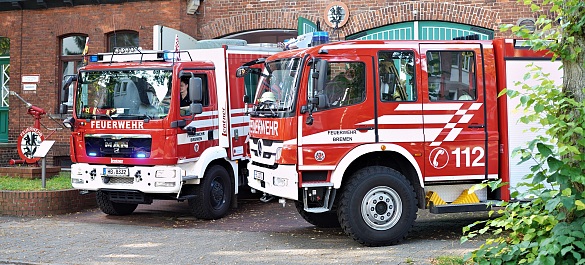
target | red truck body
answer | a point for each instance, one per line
(363, 133)
(133, 142)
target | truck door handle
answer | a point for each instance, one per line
(475, 125)
(364, 128)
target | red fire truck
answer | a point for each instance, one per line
(134, 139)
(362, 134)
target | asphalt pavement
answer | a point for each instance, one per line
(254, 233)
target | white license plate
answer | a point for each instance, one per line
(258, 175)
(117, 172)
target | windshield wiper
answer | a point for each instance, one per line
(99, 115)
(140, 116)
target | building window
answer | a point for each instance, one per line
(71, 60)
(125, 38)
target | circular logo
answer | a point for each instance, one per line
(260, 148)
(336, 14)
(196, 147)
(439, 158)
(319, 155)
(29, 141)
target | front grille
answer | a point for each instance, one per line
(118, 180)
(128, 197)
(107, 146)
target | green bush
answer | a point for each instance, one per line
(550, 227)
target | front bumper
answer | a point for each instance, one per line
(281, 182)
(157, 179)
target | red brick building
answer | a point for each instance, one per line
(46, 38)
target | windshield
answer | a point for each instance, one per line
(124, 94)
(277, 88)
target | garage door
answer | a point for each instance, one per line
(423, 30)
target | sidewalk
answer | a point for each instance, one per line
(255, 233)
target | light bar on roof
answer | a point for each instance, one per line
(129, 54)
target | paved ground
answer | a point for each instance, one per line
(266, 233)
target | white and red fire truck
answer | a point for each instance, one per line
(134, 140)
(362, 134)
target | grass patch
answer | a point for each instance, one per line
(61, 182)
(448, 260)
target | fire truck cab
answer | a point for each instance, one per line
(362, 134)
(133, 140)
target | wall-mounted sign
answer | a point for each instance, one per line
(29, 87)
(30, 78)
(336, 14)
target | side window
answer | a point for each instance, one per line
(396, 75)
(205, 91)
(251, 83)
(346, 84)
(451, 75)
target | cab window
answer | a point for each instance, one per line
(451, 75)
(346, 84)
(396, 76)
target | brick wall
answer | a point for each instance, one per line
(44, 203)
(34, 49)
(221, 17)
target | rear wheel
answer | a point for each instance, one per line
(213, 196)
(323, 220)
(113, 208)
(377, 207)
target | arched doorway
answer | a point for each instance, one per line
(423, 30)
(272, 36)
(4, 91)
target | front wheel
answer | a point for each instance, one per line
(377, 207)
(213, 196)
(113, 208)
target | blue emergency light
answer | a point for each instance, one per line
(93, 58)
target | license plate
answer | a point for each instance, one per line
(258, 175)
(117, 172)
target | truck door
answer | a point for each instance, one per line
(338, 125)
(454, 112)
(206, 124)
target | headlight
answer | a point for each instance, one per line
(168, 173)
(278, 153)
(164, 184)
(279, 182)
(76, 181)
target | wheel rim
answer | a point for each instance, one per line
(217, 193)
(381, 208)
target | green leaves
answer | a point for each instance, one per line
(550, 228)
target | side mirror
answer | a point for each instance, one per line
(65, 89)
(69, 123)
(195, 89)
(196, 108)
(322, 66)
(242, 71)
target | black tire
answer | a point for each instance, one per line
(323, 220)
(371, 221)
(213, 196)
(113, 208)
